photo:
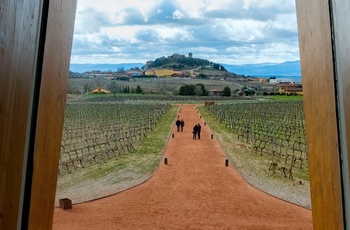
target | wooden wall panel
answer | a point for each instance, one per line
(320, 112)
(341, 17)
(19, 26)
(52, 104)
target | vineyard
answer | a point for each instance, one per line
(272, 129)
(96, 132)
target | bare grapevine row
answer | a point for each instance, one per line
(95, 132)
(273, 128)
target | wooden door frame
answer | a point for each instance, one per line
(325, 62)
(51, 107)
(340, 13)
(35, 48)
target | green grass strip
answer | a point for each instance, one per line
(285, 98)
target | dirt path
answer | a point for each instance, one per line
(193, 191)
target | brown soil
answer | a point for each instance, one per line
(195, 190)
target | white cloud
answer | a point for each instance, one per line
(178, 15)
(256, 3)
(173, 33)
(204, 50)
(112, 6)
(225, 31)
(126, 33)
(193, 8)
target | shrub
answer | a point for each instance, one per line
(226, 91)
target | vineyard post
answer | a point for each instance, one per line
(249, 126)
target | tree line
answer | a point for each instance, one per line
(114, 88)
(200, 90)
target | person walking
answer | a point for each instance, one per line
(178, 124)
(199, 131)
(182, 125)
(194, 132)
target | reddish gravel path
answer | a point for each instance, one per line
(194, 191)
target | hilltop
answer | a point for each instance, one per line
(195, 66)
(177, 61)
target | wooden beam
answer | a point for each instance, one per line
(19, 31)
(52, 102)
(341, 34)
(315, 40)
(22, 25)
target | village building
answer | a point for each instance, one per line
(291, 89)
(134, 73)
(100, 90)
(97, 74)
(257, 79)
(215, 92)
(163, 72)
(178, 75)
(273, 80)
(122, 77)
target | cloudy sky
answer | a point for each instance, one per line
(222, 31)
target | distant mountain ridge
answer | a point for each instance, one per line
(289, 68)
(81, 68)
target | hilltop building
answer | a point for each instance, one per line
(149, 63)
(176, 56)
